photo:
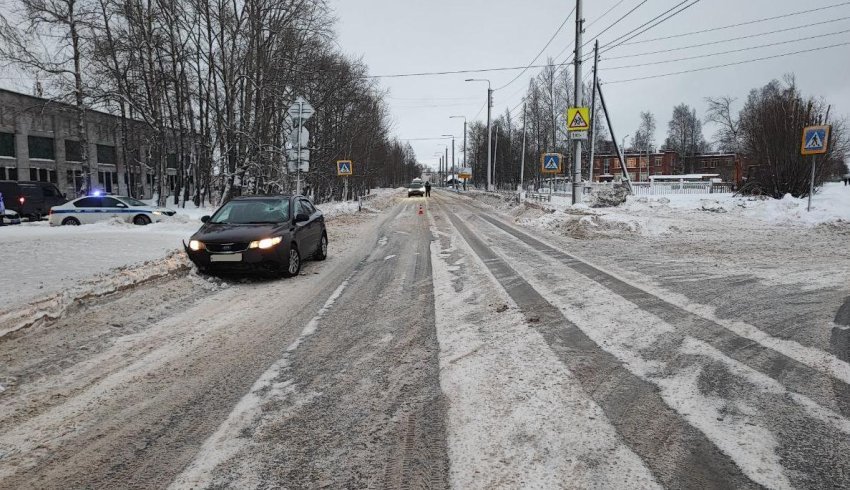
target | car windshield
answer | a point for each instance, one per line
(416, 185)
(131, 201)
(252, 212)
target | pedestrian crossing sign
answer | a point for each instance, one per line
(815, 140)
(551, 163)
(344, 168)
(578, 119)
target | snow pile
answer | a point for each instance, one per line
(50, 259)
(583, 223)
(830, 205)
(376, 201)
(55, 305)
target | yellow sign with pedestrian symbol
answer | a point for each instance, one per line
(578, 119)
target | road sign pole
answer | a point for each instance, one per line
(811, 185)
(298, 162)
(578, 102)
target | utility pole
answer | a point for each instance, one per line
(578, 100)
(489, 129)
(495, 157)
(522, 151)
(593, 112)
(447, 160)
(454, 174)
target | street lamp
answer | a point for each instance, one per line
(454, 175)
(465, 164)
(489, 128)
(444, 166)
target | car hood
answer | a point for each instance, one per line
(222, 233)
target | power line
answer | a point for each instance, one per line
(725, 40)
(606, 13)
(728, 64)
(730, 26)
(614, 23)
(541, 51)
(643, 27)
(572, 45)
(725, 52)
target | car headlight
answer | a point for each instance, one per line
(265, 243)
(157, 213)
(196, 245)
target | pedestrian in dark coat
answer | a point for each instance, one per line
(427, 189)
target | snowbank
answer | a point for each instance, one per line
(44, 260)
(830, 204)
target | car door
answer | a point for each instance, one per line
(88, 209)
(314, 227)
(113, 208)
(52, 196)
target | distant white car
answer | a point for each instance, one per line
(91, 209)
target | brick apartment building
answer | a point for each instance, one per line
(38, 142)
(730, 166)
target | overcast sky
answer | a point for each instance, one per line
(406, 36)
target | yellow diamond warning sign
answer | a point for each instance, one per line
(578, 119)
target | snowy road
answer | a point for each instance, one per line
(453, 348)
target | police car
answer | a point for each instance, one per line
(91, 209)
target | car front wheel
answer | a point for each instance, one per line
(141, 220)
(293, 266)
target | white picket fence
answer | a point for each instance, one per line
(669, 188)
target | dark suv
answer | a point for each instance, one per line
(260, 234)
(31, 199)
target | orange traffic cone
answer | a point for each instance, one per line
(421, 210)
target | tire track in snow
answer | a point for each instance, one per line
(747, 414)
(678, 454)
(797, 367)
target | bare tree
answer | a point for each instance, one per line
(729, 126)
(684, 135)
(771, 125)
(50, 40)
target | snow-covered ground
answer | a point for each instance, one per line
(669, 214)
(40, 260)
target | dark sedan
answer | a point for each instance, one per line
(260, 234)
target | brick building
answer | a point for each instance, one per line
(606, 166)
(731, 167)
(38, 142)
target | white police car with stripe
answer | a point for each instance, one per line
(91, 209)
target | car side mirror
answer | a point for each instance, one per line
(301, 217)
(204, 219)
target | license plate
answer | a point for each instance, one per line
(226, 258)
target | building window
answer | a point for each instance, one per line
(607, 166)
(630, 162)
(43, 175)
(658, 161)
(106, 154)
(73, 151)
(109, 180)
(7, 145)
(172, 160)
(75, 180)
(41, 147)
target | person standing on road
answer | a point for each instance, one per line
(427, 189)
